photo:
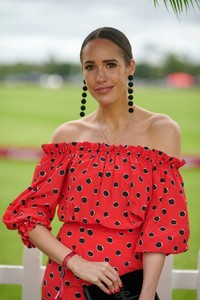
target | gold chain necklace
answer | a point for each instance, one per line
(108, 139)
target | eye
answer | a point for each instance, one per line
(89, 67)
(111, 65)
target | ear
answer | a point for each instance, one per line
(132, 67)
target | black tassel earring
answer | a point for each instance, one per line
(83, 101)
(130, 92)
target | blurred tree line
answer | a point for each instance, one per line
(171, 64)
(144, 70)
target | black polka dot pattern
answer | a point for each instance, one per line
(109, 246)
(132, 191)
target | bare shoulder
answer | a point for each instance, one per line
(73, 131)
(164, 123)
(161, 132)
(66, 131)
(166, 134)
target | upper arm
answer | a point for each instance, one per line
(167, 136)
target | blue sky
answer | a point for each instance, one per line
(34, 30)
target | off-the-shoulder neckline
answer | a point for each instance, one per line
(85, 145)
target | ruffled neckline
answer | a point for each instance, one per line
(141, 152)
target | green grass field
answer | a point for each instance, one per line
(29, 115)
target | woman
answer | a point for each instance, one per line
(122, 203)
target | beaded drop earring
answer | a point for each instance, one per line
(130, 92)
(83, 101)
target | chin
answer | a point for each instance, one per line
(105, 99)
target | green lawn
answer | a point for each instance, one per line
(29, 115)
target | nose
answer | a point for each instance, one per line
(101, 75)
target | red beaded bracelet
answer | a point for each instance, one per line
(62, 274)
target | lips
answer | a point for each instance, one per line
(104, 89)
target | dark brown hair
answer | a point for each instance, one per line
(115, 36)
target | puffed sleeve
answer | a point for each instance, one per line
(37, 203)
(166, 226)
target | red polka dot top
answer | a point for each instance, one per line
(119, 187)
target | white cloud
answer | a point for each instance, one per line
(34, 29)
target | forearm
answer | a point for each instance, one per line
(93, 272)
(152, 267)
(43, 239)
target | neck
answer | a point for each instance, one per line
(113, 125)
(113, 119)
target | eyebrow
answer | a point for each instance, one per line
(104, 61)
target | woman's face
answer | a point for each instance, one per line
(105, 71)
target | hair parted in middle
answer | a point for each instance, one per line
(115, 36)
